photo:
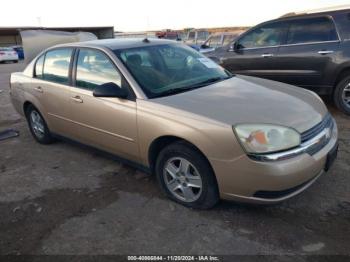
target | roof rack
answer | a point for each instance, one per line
(319, 10)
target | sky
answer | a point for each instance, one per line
(140, 15)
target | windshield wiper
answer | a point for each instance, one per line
(207, 82)
(171, 91)
(174, 91)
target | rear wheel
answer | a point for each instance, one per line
(342, 95)
(186, 176)
(37, 126)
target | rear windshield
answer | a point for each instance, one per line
(6, 49)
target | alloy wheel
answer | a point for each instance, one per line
(182, 179)
(37, 124)
(346, 95)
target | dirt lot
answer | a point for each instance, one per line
(65, 199)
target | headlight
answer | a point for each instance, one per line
(262, 138)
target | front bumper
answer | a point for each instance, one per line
(243, 178)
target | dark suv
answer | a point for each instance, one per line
(307, 50)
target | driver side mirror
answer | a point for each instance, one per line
(110, 90)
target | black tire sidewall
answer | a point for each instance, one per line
(338, 100)
(47, 138)
(209, 196)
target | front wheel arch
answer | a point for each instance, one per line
(161, 142)
(182, 149)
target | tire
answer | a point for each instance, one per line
(38, 126)
(338, 95)
(15, 61)
(198, 179)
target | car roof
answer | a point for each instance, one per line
(122, 43)
(293, 16)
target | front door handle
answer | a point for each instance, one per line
(325, 52)
(77, 99)
(267, 55)
(39, 89)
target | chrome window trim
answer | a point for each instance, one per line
(260, 47)
(323, 137)
(286, 45)
(312, 43)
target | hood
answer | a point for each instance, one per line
(244, 99)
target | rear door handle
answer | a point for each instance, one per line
(77, 99)
(267, 55)
(39, 89)
(325, 52)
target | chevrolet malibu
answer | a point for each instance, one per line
(206, 134)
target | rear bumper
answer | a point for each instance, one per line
(247, 180)
(8, 58)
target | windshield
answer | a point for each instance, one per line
(168, 69)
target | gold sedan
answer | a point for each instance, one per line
(205, 133)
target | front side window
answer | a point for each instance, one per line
(311, 30)
(214, 41)
(168, 69)
(39, 65)
(56, 66)
(228, 39)
(94, 68)
(263, 36)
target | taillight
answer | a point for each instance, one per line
(2, 53)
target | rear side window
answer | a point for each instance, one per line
(94, 68)
(263, 36)
(56, 66)
(319, 29)
(39, 65)
(343, 24)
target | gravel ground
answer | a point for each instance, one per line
(67, 199)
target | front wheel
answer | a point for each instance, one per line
(342, 95)
(38, 126)
(186, 176)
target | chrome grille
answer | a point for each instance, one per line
(327, 122)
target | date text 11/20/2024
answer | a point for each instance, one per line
(173, 258)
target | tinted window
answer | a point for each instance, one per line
(343, 23)
(94, 69)
(56, 67)
(265, 35)
(39, 67)
(311, 30)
